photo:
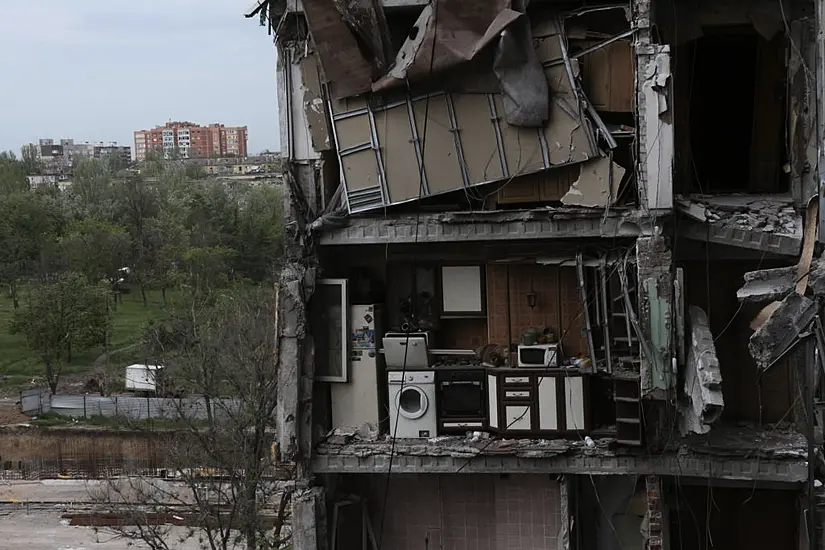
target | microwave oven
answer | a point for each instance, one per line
(538, 355)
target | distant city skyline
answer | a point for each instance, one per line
(191, 140)
(77, 73)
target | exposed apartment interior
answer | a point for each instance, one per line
(561, 272)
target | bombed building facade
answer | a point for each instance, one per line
(554, 273)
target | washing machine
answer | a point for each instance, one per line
(412, 403)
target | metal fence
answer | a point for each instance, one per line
(124, 406)
(32, 401)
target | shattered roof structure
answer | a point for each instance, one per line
(478, 93)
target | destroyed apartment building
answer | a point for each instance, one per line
(554, 275)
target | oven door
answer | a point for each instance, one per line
(462, 399)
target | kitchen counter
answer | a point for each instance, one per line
(538, 401)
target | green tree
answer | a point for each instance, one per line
(30, 224)
(97, 249)
(12, 174)
(92, 189)
(60, 318)
(208, 267)
(258, 234)
(29, 159)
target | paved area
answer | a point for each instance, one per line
(30, 518)
(74, 490)
(45, 530)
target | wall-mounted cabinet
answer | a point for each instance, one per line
(462, 291)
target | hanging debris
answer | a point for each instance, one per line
(703, 377)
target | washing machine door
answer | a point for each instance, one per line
(411, 402)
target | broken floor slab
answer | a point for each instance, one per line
(767, 285)
(703, 378)
(781, 329)
(758, 222)
(494, 225)
(744, 454)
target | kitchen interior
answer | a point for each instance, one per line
(539, 347)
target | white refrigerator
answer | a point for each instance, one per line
(358, 401)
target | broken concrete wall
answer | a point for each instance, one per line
(655, 277)
(781, 329)
(703, 377)
(655, 126)
(596, 185)
(802, 110)
(750, 395)
(304, 129)
(309, 519)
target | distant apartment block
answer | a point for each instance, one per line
(190, 140)
(59, 157)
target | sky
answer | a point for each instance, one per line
(97, 70)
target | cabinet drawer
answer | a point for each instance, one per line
(520, 380)
(517, 394)
(517, 418)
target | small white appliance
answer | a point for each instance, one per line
(406, 350)
(356, 402)
(538, 355)
(142, 377)
(412, 403)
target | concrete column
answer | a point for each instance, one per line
(654, 527)
(309, 519)
(654, 116)
(655, 283)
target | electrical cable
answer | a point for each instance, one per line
(397, 407)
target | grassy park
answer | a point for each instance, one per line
(19, 365)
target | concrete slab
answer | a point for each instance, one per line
(781, 328)
(46, 530)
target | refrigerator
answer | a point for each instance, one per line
(361, 399)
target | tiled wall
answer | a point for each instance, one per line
(468, 512)
(461, 333)
(558, 305)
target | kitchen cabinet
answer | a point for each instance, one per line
(538, 402)
(462, 291)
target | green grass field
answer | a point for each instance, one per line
(19, 365)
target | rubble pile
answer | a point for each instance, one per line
(768, 215)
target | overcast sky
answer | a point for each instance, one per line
(97, 70)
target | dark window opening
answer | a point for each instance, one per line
(734, 91)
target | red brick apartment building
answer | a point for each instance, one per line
(192, 140)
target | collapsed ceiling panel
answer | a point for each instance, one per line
(386, 159)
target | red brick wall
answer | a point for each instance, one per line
(558, 306)
(654, 512)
